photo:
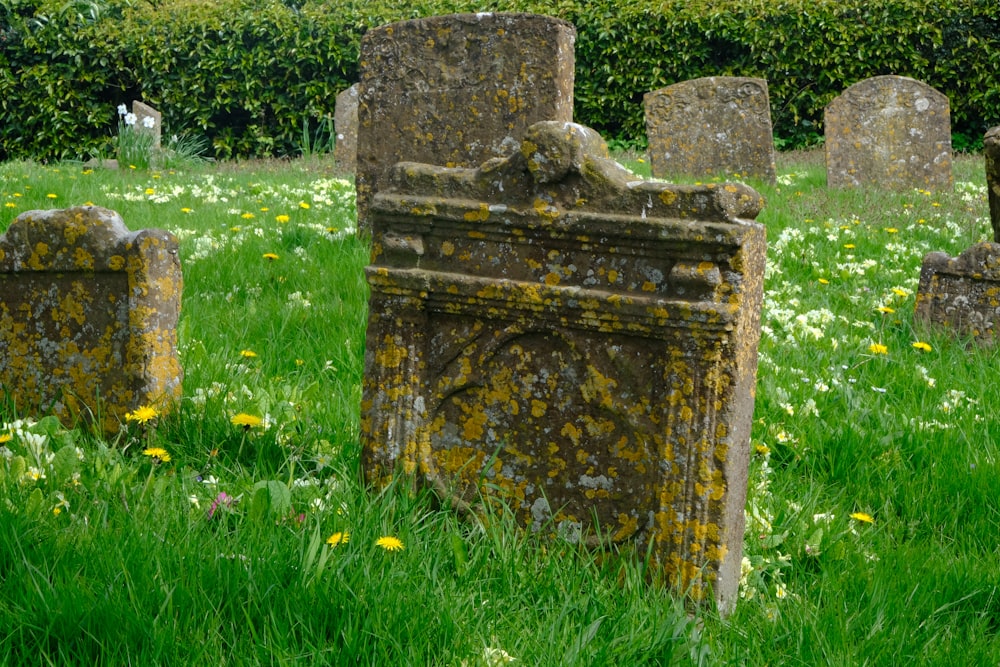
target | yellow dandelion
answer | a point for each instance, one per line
(849, 246)
(270, 256)
(922, 346)
(248, 354)
(157, 454)
(150, 191)
(885, 309)
(338, 538)
(282, 218)
(10, 204)
(303, 205)
(878, 348)
(5, 437)
(389, 543)
(863, 518)
(246, 421)
(332, 230)
(88, 203)
(891, 230)
(142, 414)
(247, 216)
(823, 281)
(51, 196)
(900, 292)
(88, 172)
(186, 210)
(264, 209)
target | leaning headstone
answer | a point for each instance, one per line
(148, 120)
(962, 293)
(991, 150)
(345, 124)
(709, 126)
(457, 90)
(552, 331)
(891, 132)
(88, 316)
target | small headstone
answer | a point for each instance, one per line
(148, 120)
(991, 150)
(891, 132)
(709, 126)
(962, 293)
(345, 124)
(88, 316)
(552, 330)
(457, 90)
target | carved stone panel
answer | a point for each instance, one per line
(457, 90)
(88, 316)
(550, 332)
(891, 132)
(345, 124)
(709, 126)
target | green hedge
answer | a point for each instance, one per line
(249, 73)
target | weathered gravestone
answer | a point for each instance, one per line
(963, 293)
(457, 90)
(552, 330)
(148, 120)
(889, 131)
(991, 150)
(88, 316)
(713, 125)
(345, 124)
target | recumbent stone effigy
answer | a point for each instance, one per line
(88, 316)
(553, 331)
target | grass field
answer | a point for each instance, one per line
(236, 531)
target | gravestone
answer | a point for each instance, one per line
(962, 293)
(708, 126)
(457, 90)
(345, 124)
(991, 150)
(549, 331)
(889, 131)
(148, 120)
(88, 316)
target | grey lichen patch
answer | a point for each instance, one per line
(88, 316)
(547, 330)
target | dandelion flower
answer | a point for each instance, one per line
(248, 354)
(923, 347)
(338, 538)
(389, 543)
(878, 348)
(303, 205)
(246, 421)
(862, 517)
(270, 256)
(5, 437)
(142, 414)
(885, 309)
(282, 218)
(150, 191)
(51, 196)
(900, 292)
(186, 210)
(248, 216)
(849, 246)
(823, 281)
(157, 454)
(891, 230)
(10, 204)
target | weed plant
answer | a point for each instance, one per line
(236, 531)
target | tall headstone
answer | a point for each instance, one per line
(457, 90)
(891, 132)
(345, 124)
(88, 316)
(991, 150)
(582, 344)
(148, 120)
(709, 126)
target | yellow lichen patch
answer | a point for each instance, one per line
(552, 278)
(668, 197)
(391, 355)
(473, 234)
(83, 259)
(447, 248)
(482, 214)
(572, 432)
(628, 526)
(538, 408)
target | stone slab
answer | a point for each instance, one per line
(345, 124)
(991, 151)
(457, 90)
(552, 333)
(88, 316)
(154, 126)
(962, 293)
(710, 126)
(892, 132)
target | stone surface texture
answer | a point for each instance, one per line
(962, 293)
(891, 132)
(88, 316)
(709, 126)
(143, 111)
(457, 90)
(991, 151)
(550, 331)
(345, 124)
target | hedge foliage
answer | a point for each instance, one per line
(250, 74)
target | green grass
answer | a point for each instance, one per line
(112, 558)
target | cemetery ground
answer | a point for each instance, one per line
(236, 530)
